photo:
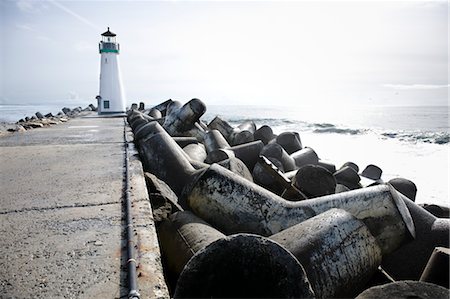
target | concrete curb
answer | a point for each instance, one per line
(151, 282)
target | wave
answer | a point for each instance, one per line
(285, 124)
(338, 131)
(426, 137)
(330, 128)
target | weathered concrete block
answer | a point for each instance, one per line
(437, 210)
(372, 172)
(437, 269)
(212, 264)
(243, 133)
(182, 119)
(265, 179)
(405, 187)
(248, 152)
(265, 134)
(195, 152)
(155, 113)
(164, 158)
(327, 165)
(405, 290)
(348, 177)
(214, 140)
(233, 204)
(219, 155)
(290, 141)
(409, 261)
(236, 166)
(275, 150)
(314, 181)
(222, 126)
(304, 157)
(337, 251)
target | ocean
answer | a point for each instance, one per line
(408, 142)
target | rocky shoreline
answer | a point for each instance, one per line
(40, 120)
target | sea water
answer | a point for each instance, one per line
(408, 142)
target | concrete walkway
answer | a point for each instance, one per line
(62, 214)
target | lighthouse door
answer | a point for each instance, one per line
(106, 104)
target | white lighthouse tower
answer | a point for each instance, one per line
(112, 96)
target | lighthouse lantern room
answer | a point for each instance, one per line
(112, 97)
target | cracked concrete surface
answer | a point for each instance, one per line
(61, 214)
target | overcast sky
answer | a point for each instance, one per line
(230, 52)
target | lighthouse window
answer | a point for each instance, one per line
(106, 60)
(106, 104)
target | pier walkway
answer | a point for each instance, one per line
(62, 222)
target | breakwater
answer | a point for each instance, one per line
(244, 212)
(43, 119)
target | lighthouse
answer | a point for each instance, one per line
(112, 97)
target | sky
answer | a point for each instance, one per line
(229, 52)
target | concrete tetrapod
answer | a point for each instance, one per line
(265, 134)
(234, 205)
(243, 133)
(337, 251)
(290, 141)
(182, 119)
(214, 140)
(164, 158)
(409, 261)
(241, 265)
(406, 289)
(436, 270)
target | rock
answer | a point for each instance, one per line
(93, 108)
(39, 115)
(17, 128)
(48, 115)
(141, 106)
(27, 118)
(34, 125)
(134, 106)
(65, 110)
